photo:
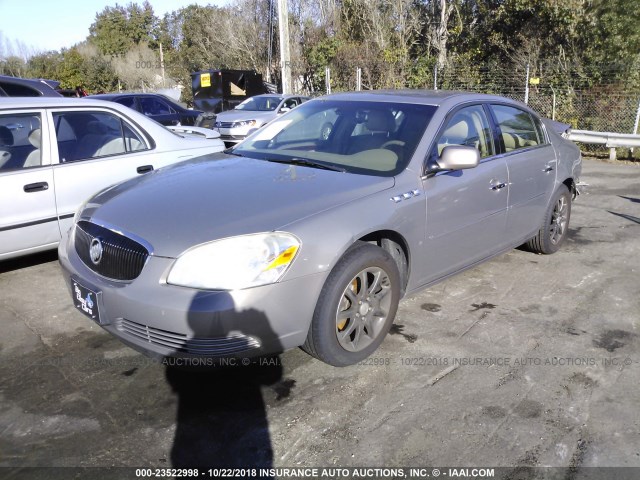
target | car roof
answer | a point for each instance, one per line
(126, 94)
(51, 102)
(426, 97)
(281, 95)
(46, 87)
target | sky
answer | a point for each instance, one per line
(46, 25)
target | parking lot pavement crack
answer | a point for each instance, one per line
(482, 317)
(433, 380)
(26, 323)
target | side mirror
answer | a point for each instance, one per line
(284, 110)
(458, 157)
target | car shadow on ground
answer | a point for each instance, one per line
(28, 261)
(221, 419)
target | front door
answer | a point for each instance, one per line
(466, 209)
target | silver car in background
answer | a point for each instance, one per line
(292, 239)
(56, 152)
(234, 125)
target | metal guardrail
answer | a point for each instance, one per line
(609, 140)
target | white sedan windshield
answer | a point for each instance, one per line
(260, 104)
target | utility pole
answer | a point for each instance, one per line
(162, 64)
(285, 58)
(270, 41)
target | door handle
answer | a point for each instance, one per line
(548, 169)
(36, 187)
(498, 186)
(144, 169)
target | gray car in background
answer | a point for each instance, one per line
(293, 239)
(234, 125)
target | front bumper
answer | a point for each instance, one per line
(233, 135)
(164, 320)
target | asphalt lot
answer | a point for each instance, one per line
(524, 361)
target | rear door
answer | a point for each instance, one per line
(532, 163)
(466, 209)
(28, 221)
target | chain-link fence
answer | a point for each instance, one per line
(599, 98)
(607, 100)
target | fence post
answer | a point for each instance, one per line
(526, 87)
(635, 125)
(435, 77)
(327, 79)
(358, 79)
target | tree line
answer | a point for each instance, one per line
(395, 43)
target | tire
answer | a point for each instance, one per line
(555, 225)
(349, 321)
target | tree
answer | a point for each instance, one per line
(118, 29)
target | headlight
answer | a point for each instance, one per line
(244, 123)
(235, 262)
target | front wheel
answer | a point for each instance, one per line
(555, 225)
(356, 307)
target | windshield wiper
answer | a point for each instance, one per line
(229, 151)
(306, 163)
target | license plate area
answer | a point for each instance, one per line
(85, 300)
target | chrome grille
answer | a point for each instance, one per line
(179, 342)
(224, 124)
(122, 257)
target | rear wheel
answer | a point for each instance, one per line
(356, 307)
(555, 226)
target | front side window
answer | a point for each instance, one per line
(370, 138)
(290, 103)
(88, 135)
(517, 127)
(468, 126)
(20, 141)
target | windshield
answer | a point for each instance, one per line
(373, 138)
(260, 104)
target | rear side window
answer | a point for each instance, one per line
(87, 135)
(127, 102)
(152, 106)
(20, 141)
(518, 128)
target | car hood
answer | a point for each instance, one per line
(219, 196)
(239, 115)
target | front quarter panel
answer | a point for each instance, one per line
(326, 236)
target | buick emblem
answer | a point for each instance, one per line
(95, 251)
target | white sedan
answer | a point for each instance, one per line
(57, 152)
